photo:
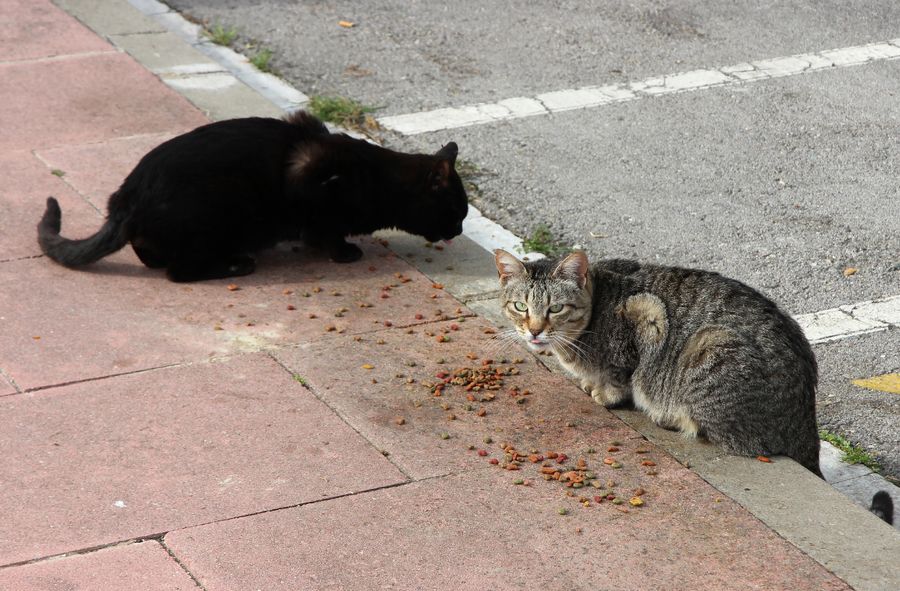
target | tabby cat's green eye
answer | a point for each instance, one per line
(556, 308)
(520, 306)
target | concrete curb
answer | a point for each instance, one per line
(846, 539)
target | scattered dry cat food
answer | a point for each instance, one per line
(648, 463)
(482, 452)
(291, 307)
(437, 285)
(400, 420)
(233, 287)
(764, 459)
(368, 366)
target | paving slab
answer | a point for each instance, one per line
(32, 29)
(118, 316)
(98, 96)
(96, 170)
(479, 531)
(25, 184)
(799, 506)
(146, 566)
(6, 387)
(436, 431)
(222, 96)
(465, 268)
(110, 18)
(166, 54)
(133, 456)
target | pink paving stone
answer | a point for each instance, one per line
(92, 98)
(555, 417)
(5, 386)
(25, 184)
(118, 316)
(479, 531)
(96, 170)
(145, 566)
(132, 456)
(36, 28)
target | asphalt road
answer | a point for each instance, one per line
(782, 183)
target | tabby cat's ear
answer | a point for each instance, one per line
(446, 159)
(507, 266)
(574, 268)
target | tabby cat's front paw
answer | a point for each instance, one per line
(607, 395)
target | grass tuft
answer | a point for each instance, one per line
(262, 60)
(220, 35)
(853, 454)
(344, 112)
(301, 379)
(542, 240)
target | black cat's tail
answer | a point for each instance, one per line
(75, 253)
(883, 506)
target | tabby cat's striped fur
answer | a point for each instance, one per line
(695, 350)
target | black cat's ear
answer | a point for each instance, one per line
(448, 152)
(446, 159)
(507, 266)
(574, 268)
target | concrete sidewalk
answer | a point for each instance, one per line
(287, 434)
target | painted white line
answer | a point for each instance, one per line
(595, 96)
(833, 324)
(886, 310)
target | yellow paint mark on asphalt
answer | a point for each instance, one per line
(889, 382)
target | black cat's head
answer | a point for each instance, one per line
(439, 205)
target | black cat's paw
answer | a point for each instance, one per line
(186, 270)
(346, 253)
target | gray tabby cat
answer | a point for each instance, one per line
(696, 351)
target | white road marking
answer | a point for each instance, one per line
(595, 96)
(833, 324)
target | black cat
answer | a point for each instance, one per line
(202, 203)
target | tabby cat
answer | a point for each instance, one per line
(202, 203)
(696, 351)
